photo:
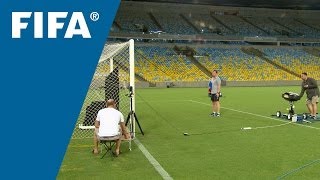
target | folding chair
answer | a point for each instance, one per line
(108, 143)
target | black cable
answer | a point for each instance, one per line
(158, 114)
(213, 132)
(178, 130)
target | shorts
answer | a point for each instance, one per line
(106, 138)
(313, 100)
(214, 97)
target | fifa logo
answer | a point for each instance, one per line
(77, 25)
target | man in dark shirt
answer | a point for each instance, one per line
(309, 85)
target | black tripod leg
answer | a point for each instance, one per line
(128, 117)
(135, 116)
(291, 109)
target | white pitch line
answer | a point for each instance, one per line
(264, 127)
(258, 115)
(162, 101)
(163, 173)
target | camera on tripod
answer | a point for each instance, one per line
(132, 117)
(130, 91)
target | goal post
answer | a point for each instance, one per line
(113, 79)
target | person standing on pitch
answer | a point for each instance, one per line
(215, 86)
(309, 85)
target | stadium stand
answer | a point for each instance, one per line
(287, 39)
(297, 28)
(239, 26)
(136, 22)
(268, 26)
(207, 24)
(238, 66)
(174, 23)
(160, 64)
(295, 59)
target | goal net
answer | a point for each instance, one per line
(112, 79)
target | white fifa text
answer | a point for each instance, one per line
(56, 21)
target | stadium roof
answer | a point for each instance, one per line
(277, 4)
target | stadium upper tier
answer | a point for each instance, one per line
(134, 23)
(161, 64)
(194, 23)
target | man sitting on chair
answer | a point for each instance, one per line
(107, 126)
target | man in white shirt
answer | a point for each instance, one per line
(107, 125)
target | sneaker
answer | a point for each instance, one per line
(213, 114)
(314, 117)
(218, 114)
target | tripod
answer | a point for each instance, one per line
(132, 114)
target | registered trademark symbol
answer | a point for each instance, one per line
(94, 16)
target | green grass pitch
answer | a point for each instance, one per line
(216, 148)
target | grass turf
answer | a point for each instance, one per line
(216, 148)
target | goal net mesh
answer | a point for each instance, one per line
(111, 80)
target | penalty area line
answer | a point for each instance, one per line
(163, 173)
(258, 115)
